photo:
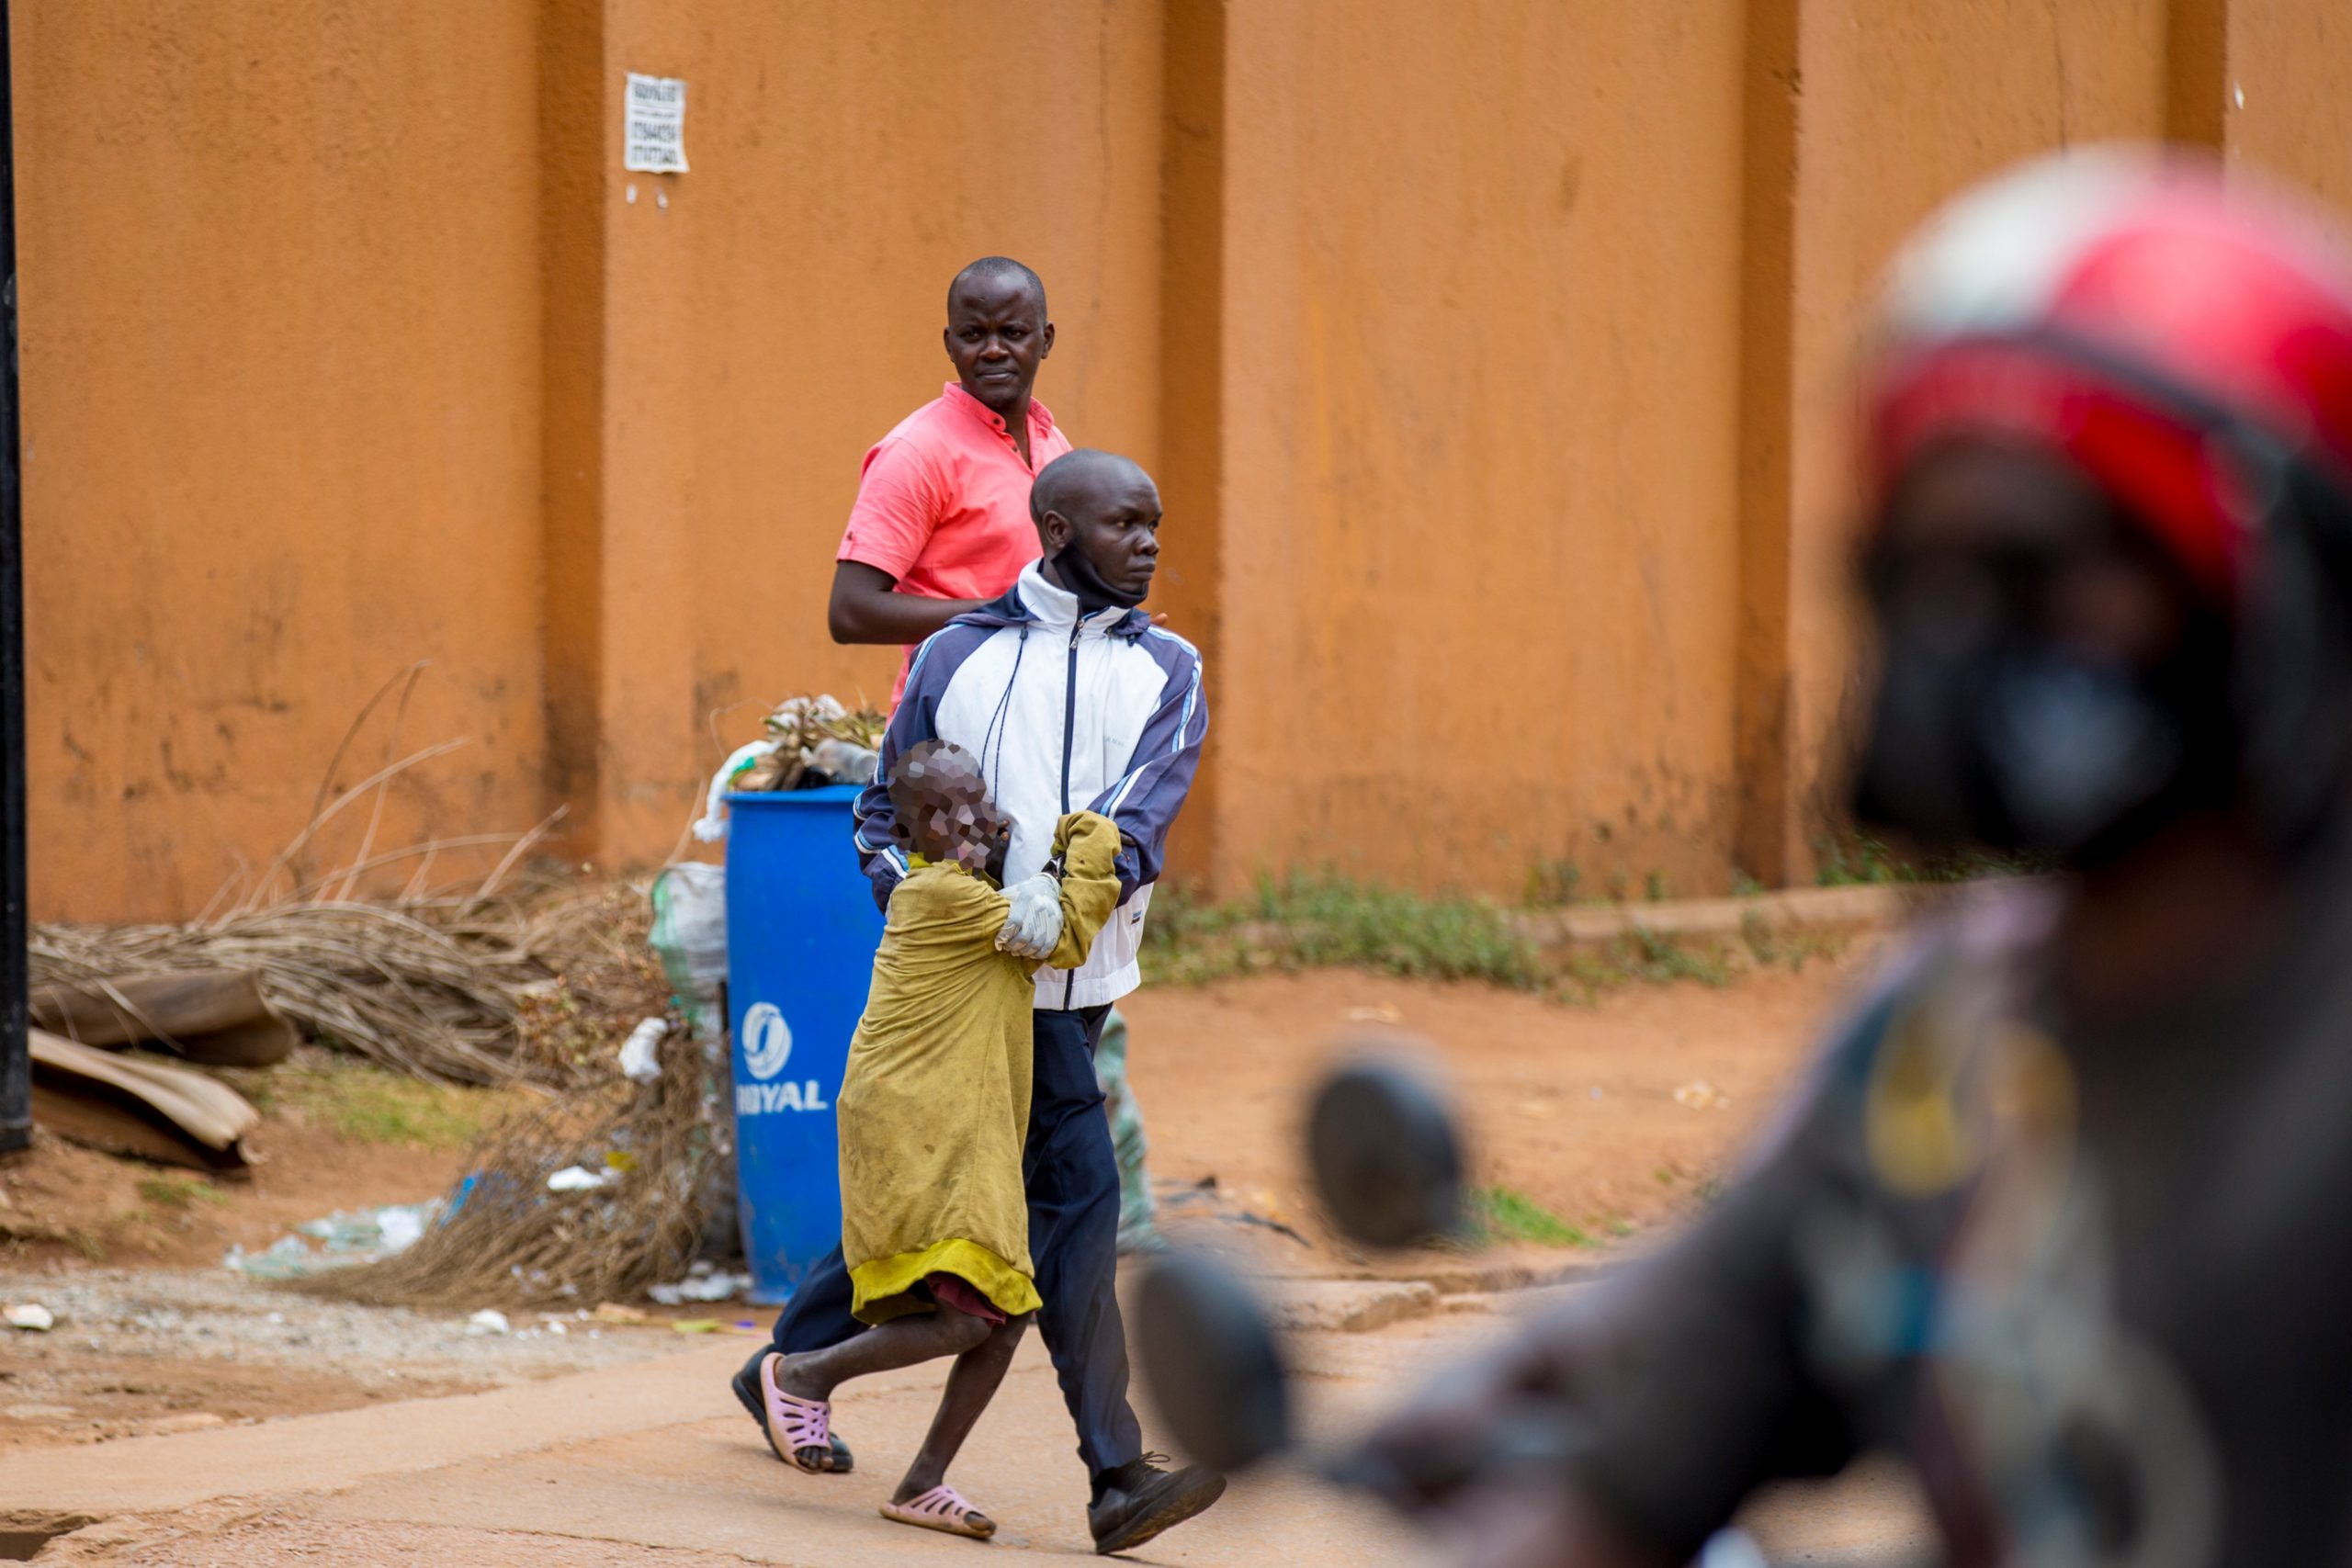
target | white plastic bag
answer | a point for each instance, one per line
(712, 826)
(690, 930)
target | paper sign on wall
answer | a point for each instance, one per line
(653, 124)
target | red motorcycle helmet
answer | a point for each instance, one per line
(2186, 341)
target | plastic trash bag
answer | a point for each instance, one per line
(711, 825)
(690, 935)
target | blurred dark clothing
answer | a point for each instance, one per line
(2095, 1283)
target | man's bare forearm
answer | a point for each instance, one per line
(865, 607)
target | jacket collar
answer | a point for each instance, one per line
(1032, 601)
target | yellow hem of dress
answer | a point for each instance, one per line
(881, 1286)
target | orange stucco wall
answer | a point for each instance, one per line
(1478, 483)
(1901, 105)
(784, 311)
(1493, 359)
(280, 295)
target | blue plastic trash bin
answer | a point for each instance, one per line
(801, 931)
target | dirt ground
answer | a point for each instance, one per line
(62, 1205)
(653, 1462)
(138, 1352)
(1572, 1106)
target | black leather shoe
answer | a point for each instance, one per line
(838, 1461)
(1137, 1502)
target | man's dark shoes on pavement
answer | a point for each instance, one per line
(1136, 1502)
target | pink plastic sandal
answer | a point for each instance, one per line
(802, 1428)
(942, 1508)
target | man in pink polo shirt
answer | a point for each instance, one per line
(942, 523)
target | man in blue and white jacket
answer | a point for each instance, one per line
(1072, 700)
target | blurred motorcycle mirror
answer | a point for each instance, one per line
(1385, 1151)
(1212, 1363)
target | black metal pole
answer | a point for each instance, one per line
(16, 1058)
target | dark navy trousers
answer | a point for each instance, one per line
(1073, 1178)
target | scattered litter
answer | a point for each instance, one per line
(640, 1062)
(1277, 1227)
(1542, 1110)
(344, 1238)
(1700, 1095)
(490, 1319)
(613, 1312)
(695, 1326)
(28, 1315)
(1382, 1013)
(399, 1226)
(705, 1284)
(39, 1412)
(844, 761)
(1596, 1091)
(597, 1236)
(801, 757)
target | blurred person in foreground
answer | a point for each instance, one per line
(2059, 1217)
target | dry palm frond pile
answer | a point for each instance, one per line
(474, 990)
(382, 981)
(507, 1239)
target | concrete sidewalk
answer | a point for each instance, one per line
(654, 1455)
(622, 1464)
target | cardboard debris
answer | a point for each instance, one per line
(124, 1105)
(215, 1016)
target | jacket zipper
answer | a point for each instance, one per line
(1070, 741)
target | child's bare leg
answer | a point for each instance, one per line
(901, 1342)
(971, 1384)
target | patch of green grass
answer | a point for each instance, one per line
(1856, 859)
(174, 1193)
(368, 1104)
(1552, 884)
(1327, 919)
(1645, 958)
(1787, 950)
(1502, 1214)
